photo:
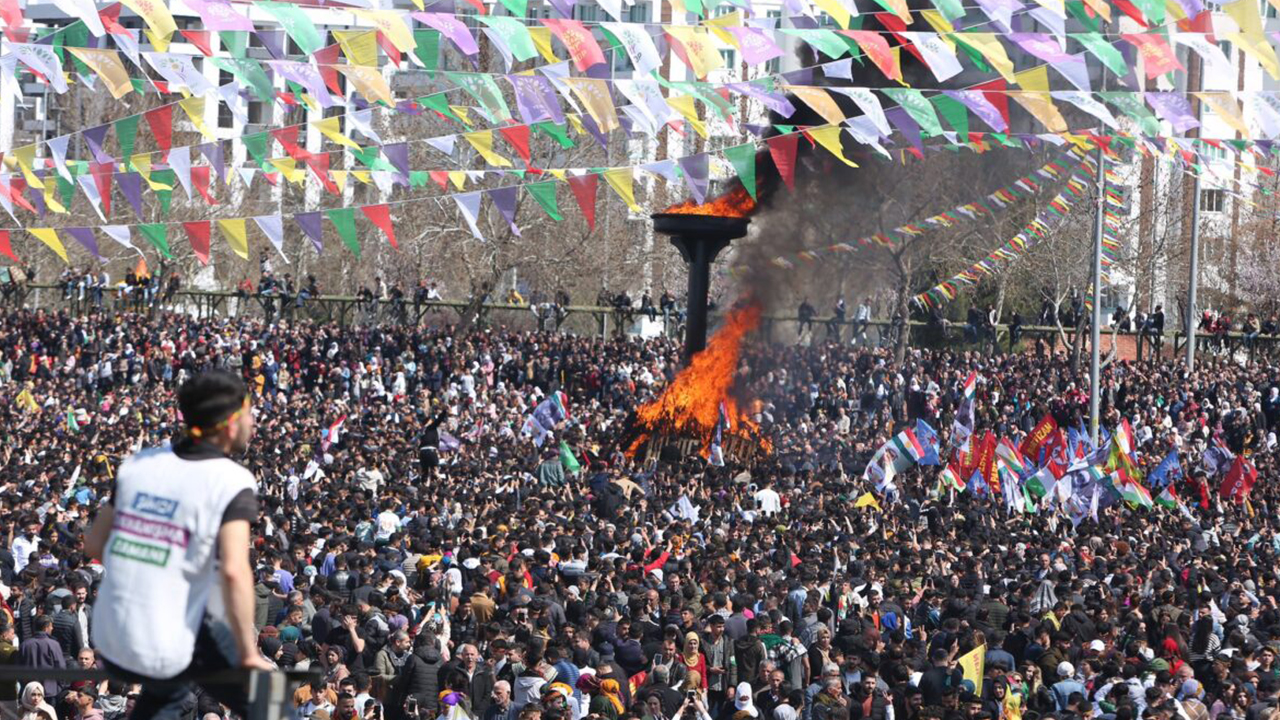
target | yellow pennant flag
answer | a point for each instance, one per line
(559, 174)
(1251, 38)
(542, 40)
(288, 167)
(194, 108)
(684, 105)
(899, 8)
(594, 94)
(1228, 107)
(237, 237)
(107, 65)
(156, 14)
(51, 198)
(829, 138)
(989, 46)
(142, 163)
(458, 178)
(1175, 11)
(1102, 7)
(699, 50)
(819, 100)
(974, 665)
(332, 129)
(363, 176)
(159, 42)
(576, 122)
(620, 179)
(463, 113)
(26, 157)
(940, 25)
(728, 20)
(1034, 79)
(482, 141)
(1040, 105)
(867, 500)
(841, 14)
(360, 46)
(339, 179)
(370, 82)
(49, 237)
(393, 27)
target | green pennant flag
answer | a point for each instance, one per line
(126, 134)
(368, 156)
(256, 143)
(1153, 10)
(513, 32)
(826, 41)
(165, 177)
(419, 178)
(743, 158)
(295, 23)
(139, 85)
(951, 9)
(914, 102)
(66, 190)
(74, 428)
(559, 132)
(249, 72)
(295, 88)
(428, 48)
(545, 194)
(1102, 49)
(155, 234)
(955, 113)
(1079, 12)
(975, 57)
(485, 91)
(75, 35)
(440, 104)
(235, 41)
(570, 462)
(344, 219)
(1130, 104)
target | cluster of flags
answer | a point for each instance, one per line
(546, 417)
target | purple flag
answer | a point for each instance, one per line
(757, 45)
(564, 7)
(590, 124)
(1174, 108)
(84, 236)
(978, 103)
(451, 28)
(776, 102)
(37, 199)
(310, 224)
(1000, 11)
(95, 137)
(1041, 45)
(504, 198)
(1191, 7)
(219, 16)
(273, 41)
(212, 152)
(695, 169)
(398, 155)
(306, 75)
(409, 107)
(803, 76)
(536, 99)
(131, 185)
(906, 125)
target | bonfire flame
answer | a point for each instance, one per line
(735, 203)
(690, 406)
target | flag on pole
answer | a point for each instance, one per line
(973, 665)
(567, 459)
(962, 427)
(1036, 439)
(928, 439)
(950, 478)
(1168, 498)
(1135, 494)
(1167, 473)
(1217, 458)
(867, 500)
(333, 434)
(1240, 479)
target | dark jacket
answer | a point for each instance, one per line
(749, 652)
(67, 631)
(42, 651)
(419, 678)
(479, 689)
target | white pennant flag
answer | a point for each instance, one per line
(1216, 63)
(638, 43)
(246, 176)
(363, 121)
(235, 102)
(384, 180)
(273, 227)
(870, 106)
(1055, 22)
(864, 130)
(42, 59)
(1266, 113)
(58, 149)
(127, 43)
(179, 70)
(8, 80)
(85, 10)
(1085, 102)
(91, 191)
(180, 163)
(842, 69)
(939, 56)
(121, 234)
(665, 168)
(469, 204)
(443, 144)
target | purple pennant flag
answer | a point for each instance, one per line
(1174, 108)
(978, 103)
(219, 16)
(757, 45)
(398, 155)
(564, 7)
(803, 76)
(1191, 7)
(1000, 11)
(131, 185)
(37, 200)
(310, 224)
(212, 152)
(504, 198)
(1041, 45)
(84, 236)
(906, 125)
(273, 41)
(96, 137)
(409, 107)
(590, 124)
(452, 28)
(776, 102)
(536, 99)
(695, 169)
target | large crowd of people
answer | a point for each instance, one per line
(417, 548)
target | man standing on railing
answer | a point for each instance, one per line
(175, 529)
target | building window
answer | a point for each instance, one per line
(727, 57)
(257, 112)
(1212, 200)
(1225, 45)
(586, 13)
(638, 13)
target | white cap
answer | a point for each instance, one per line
(1066, 669)
(1097, 646)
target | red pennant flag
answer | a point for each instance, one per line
(987, 462)
(1036, 439)
(994, 92)
(198, 235)
(1202, 23)
(326, 60)
(479, 6)
(162, 87)
(782, 149)
(895, 25)
(288, 138)
(160, 121)
(584, 191)
(110, 16)
(319, 164)
(286, 98)
(518, 136)
(10, 14)
(380, 215)
(102, 173)
(1240, 479)
(16, 188)
(199, 38)
(6, 248)
(440, 177)
(272, 178)
(1133, 12)
(200, 178)
(388, 47)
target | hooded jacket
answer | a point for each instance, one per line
(420, 679)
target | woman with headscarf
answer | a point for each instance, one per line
(693, 659)
(32, 705)
(607, 703)
(334, 668)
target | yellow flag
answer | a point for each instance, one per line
(542, 40)
(107, 65)
(369, 82)
(289, 168)
(558, 173)
(1101, 7)
(899, 8)
(867, 500)
(940, 24)
(49, 237)
(156, 14)
(51, 198)
(142, 163)
(1228, 107)
(974, 665)
(159, 42)
(1034, 79)
(26, 156)
(27, 401)
(829, 138)
(620, 179)
(482, 141)
(194, 108)
(684, 105)
(989, 46)
(1175, 11)
(339, 179)
(332, 129)
(594, 94)
(393, 27)
(458, 178)
(363, 176)
(576, 122)
(1041, 106)
(728, 20)
(463, 113)
(841, 15)
(234, 231)
(700, 51)
(820, 101)
(1251, 38)
(360, 46)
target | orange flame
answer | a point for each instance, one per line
(690, 406)
(735, 203)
